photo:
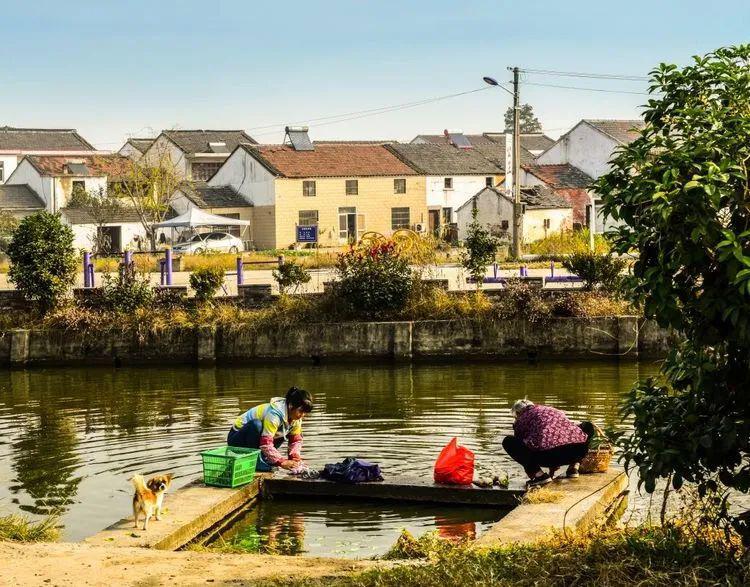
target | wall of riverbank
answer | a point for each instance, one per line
(625, 337)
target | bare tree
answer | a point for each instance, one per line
(102, 206)
(148, 186)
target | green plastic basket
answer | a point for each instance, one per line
(229, 466)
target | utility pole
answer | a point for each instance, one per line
(517, 205)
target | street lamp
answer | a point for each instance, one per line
(517, 207)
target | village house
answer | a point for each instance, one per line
(195, 154)
(495, 146)
(135, 148)
(54, 179)
(344, 189)
(544, 212)
(589, 146)
(222, 200)
(565, 180)
(16, 143)
(452, 176)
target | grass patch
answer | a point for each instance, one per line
(18, 528)
(542, 495)
(640, 556)
(567, 242)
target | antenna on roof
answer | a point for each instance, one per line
(298, 138)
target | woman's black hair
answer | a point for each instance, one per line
(299, 398)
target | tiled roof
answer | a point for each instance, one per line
(208, 196)
(80, 216)
(531, 141)
(623, 131)
(42, 139)
(357, 142)
(441, 159)
(561, 175)
(95, 165)
(340, 160)
(19, 197)
(141, 145)
(197, 141)
(540, 196)
(491, 145)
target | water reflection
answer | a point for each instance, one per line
(70, 438)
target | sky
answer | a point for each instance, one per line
(115, 70)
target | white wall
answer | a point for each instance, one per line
(26, 174)
(533, 222)
(63, 187)
(128, 150)
(464, 187)
(9, 165)
(83, 234)
(161, 147)
(246, 175)
(583, 147)
(491, 211)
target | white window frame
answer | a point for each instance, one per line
(306, 184)
(401, 224)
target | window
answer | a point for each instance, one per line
(399, 218)
(489, 182)
(447, 215)
(2, 171)
(448, 183)
(308, 218)
(308, 188)
(204, 171)
(546, 223)
(79, 187)
(504, 225)
(399, 186)
(352, 187)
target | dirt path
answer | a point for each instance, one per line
(81, 564)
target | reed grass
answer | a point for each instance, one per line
(539, 495)
(18, 528)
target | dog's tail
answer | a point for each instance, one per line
(139, 483)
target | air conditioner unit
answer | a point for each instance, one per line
(420, 227)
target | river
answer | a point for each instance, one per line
(70, 438)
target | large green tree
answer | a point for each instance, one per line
(528, 122)
(682, 193)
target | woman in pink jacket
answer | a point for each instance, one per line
(545, 437)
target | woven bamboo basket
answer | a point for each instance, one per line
(597, 460)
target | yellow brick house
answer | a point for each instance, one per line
(346, 189)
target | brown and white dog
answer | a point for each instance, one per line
(149, 497)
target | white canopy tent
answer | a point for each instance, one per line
(196, 217)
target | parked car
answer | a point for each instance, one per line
(220, 242)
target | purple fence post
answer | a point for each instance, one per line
(86, 263)
(91, 274)
(161, 271)
(520, 271)
(551, 268)
(240, 276)
(168, 263)
(494, 270)
(128, 259)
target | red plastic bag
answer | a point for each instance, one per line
(455, 465)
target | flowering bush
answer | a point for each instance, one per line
(373, 281)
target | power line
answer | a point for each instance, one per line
(371, 111)
(587, 89)
(611, 76)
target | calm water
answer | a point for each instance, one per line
(70, 438)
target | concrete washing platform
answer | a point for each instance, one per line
(197, 509)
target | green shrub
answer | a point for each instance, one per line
(567, 242)
(290, 275)
(19, 528)
(602, 270)
(43, 261)
(521, 300)
(479, 250)
(372, 281)
(8, 225)
(126, 291)
(205, 282)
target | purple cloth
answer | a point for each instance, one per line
(543, 428)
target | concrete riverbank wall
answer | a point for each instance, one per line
(624, 337)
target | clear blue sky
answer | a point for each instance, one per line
(118, 69)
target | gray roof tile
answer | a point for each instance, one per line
(197, 141)
(80, 216)
(19, 197)
(441, 159)
(623, 131)
(42, 139)
(208, 196)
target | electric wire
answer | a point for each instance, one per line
(610, 76)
